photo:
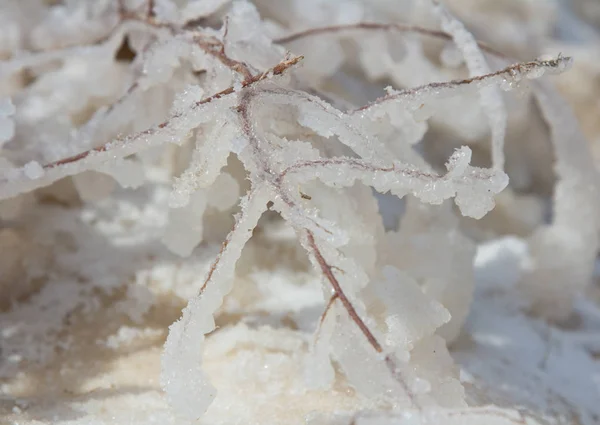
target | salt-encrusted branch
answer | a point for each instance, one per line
(327, 272)
(511, 74)
(565, 252)
(339, 294)
(491, 97)
(174, 130)
(18, 182)
(262, 165)
(474, 188)
(326, 121)
(182, 378)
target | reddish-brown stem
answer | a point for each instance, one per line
(328, 273)
(373, 26)
(328, 307)
(217, 50)
(510, 72)
(332, 301)
(326, 269)
(355, 163)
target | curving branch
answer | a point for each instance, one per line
(462, 180)
(189, 390)
(511, 74)
(376, 27)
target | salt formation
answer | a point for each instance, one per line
(135, 133)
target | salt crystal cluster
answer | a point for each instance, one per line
(146, 129)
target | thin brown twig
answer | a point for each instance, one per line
(390, 362)
(332, 300)
(325, 312)
(511, 71)
(327, 272)
(358, 164)
(374, 26)
(217, 50)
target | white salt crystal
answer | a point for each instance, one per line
(420, 386)
(33, 170)
(185, 99)
(365, 369)
(238, 145)
(213, 144)
(411, 315)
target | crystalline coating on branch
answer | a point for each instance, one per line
(327, 121)
(491, 97)
(473, 188)
(566, 250)
(364, 367)
(185, 99)
(507, 78)
(14, 181)
(162, 61)
(182, 378)
(209, 156)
